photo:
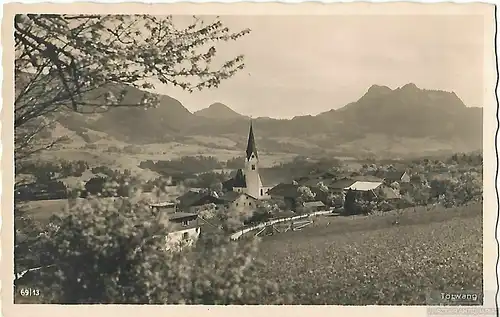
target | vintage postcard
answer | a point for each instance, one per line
(193, 158)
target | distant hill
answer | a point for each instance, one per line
(132, 123)
(383, 120)
(219, 111)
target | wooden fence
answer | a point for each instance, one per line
(239, 234)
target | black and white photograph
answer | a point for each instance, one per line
(165, 158)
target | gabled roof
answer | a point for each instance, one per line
(367, 178)
(188, 197)
(394, 175)
(251, 147)
(230, 196)
(285, 190)
(364, 186)
(342, 183)
(271, 177)
(390, 175)
(177, 216)
(197, 199)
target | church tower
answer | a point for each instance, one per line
(252, 177)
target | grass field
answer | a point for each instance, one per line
(369, 261)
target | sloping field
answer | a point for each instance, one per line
(370, 261)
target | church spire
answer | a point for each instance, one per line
(251, 148)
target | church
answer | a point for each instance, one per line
(248, 180)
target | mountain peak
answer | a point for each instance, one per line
(218, 110)
(379, 89)
(219, 105)
(409, 86)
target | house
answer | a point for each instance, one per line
(340, 185)
(363, 189)
(288, 193)
(184, 229)
(167, 206)
(239, 200)
(249, 180)
(390, 177)
(314, 206)
(192, 201)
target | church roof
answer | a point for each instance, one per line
(237, 181)
(251, 147)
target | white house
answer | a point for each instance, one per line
(184, 230)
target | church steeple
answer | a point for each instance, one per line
(251, 148)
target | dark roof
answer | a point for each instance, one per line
(394, 176)
(182, 215)
(389, 175)
(251, 147)
(273, 176)
(342, 183)
(285, 190)
(230, 196)
(367, 178)
(190, 199)
(312, 182)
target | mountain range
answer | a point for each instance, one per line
(383, 121)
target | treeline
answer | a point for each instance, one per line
(183, 165)
(47, 175)
(44, 171)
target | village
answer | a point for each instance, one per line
(264, 202)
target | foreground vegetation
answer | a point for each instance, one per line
(391, 259)
(369, 260)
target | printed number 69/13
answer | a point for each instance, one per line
(29, 292)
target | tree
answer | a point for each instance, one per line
(305, 195)
(68, 62)
(115, 253)
(322, 187)
(85, 63)
(350, 202)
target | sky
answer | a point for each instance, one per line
(305, 65)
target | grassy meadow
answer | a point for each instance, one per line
(371, 261)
